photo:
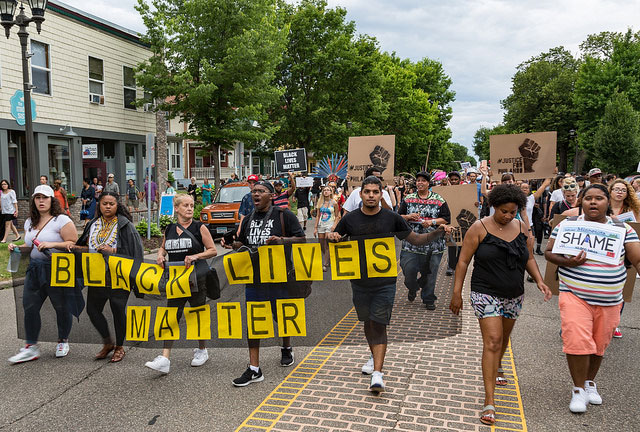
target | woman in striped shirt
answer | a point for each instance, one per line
(590, 299)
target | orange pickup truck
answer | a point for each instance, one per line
(222, 215)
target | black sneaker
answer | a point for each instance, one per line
(248, 377)
(411, 296)
(539, 252)
(430, 306)
(287, 357)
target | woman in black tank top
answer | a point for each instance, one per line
(187, 242)
(498, 244)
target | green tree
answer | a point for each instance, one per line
(330, 80)
(213, 65)
(481, 140)
(415, 116)
(541, 98)
(617, 139)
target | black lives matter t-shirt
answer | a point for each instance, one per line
(385, 223)
(257, 228)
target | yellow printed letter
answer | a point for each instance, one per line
(120, 270)
(381, 257)
(198, 322)
(259, 321)
(272, 264)
(229, 321)
(63, 270)
(345, 261)
(148, 278)
(307, 260)
(166, 325)
(291, 318)
(138, 322)
(178, 284)
(94, 269)
(238, 268)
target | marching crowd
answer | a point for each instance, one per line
(509, 222)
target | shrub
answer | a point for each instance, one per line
(196, 211)
(142, 229)
(165, 221)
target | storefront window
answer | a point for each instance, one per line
(130, 162)
(59, 162)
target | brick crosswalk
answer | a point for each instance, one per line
(432, 372)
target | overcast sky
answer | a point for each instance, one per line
(479, 42)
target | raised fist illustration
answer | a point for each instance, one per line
(380, 157)
(529, 150)
(465, 219)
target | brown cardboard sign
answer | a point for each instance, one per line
(368, 151)
(461, 200)
(551, 271)
(526, 155)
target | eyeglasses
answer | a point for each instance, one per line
(618, 190)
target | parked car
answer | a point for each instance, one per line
(222, 215)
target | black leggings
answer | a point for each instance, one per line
(96, 299)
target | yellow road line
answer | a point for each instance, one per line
(316, 358)
(512, 377)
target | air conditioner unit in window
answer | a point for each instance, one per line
(96, 99)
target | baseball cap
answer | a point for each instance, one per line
(425, 175)
(594, 172)
(110, 175)
(277, 182)
(454, 173)
(266, 184)
(253, 177)
(43, 190)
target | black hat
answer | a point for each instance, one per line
(277, 182)
(265, 184)
(454, 173)
(425, 175)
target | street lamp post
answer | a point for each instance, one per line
(7, 10)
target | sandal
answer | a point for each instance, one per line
(488, 418)
(104, 352)
(500, 380)
(118, 354)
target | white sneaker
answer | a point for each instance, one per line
(591, 390)
(377, 383)
(26, 354)
(579, 400)
(367, 368)
(62, 349)
(160, 364)
(200, 357)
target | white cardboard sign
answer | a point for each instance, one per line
(601, 242)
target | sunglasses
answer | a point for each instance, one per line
(569, 186)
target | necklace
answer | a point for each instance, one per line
(497, 225)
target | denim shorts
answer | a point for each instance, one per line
(487, 306)
(374, 303)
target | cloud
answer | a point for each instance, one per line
(479, 42)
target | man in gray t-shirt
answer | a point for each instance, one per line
(111, 185)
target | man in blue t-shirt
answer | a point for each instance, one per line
(246, 205)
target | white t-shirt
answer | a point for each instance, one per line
(8, 200)
(531, 201)
(353, 202)
(51, 233)
(556, 195)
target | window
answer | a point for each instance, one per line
(129, 84)
(41, 68)
(199, 162)
(223, 156)
(175, 150)
(96, 81)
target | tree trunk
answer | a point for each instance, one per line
(162, 163)
(562, 153)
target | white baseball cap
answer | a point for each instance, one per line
(43, 190)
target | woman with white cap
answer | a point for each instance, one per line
(46, 228)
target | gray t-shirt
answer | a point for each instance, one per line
(8, 202)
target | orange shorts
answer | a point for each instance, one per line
(586, 329)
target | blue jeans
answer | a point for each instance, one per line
(411, 264)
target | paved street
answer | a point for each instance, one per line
(432, 374)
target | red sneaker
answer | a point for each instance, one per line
(617, 333)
